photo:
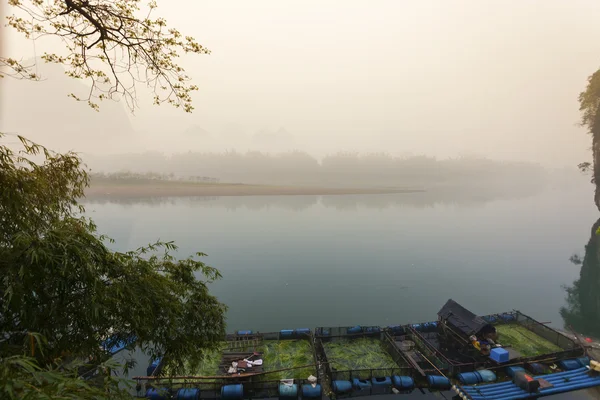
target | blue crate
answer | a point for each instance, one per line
(499, 355)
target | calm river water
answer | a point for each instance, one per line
(308, 261)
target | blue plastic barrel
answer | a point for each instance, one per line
(510, 371)
(469, 378)
(397, 329)
(288, 391)
(473, 378)
(309, 392)
(354, 329)
(157, 394)
(232, 392)
(341, 386)
(361, 384)
(536, 368)
(568, 365)
(286, 332)
(416, 327)
(403, 382)
(490, 318)
(302, 331)
(382, 381)
(507, 317)
(438, 382)
(372, 329)
(244, 333)
(188, 394)
(485, 375)
(584, 361)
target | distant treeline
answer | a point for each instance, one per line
(301, 168)
(128, 176)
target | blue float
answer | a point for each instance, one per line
(309, 392)
(158, 394)
(341, 386)
(382, 381)
(232, 392)
(403, 382)
(372, 329)
(397, 329)
(288, 391)
(473, 378)
(361, 384)
(507, 317)
(302, 331)
(511, 371)
(584, 361)
(286, 333)
(438, 382)
(188, 394)
(244, 333)
(569, 365)
(536, 368)
(354, 329)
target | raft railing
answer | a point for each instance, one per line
(570, 349)
(237, 389)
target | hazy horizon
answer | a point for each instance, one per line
(442, 79)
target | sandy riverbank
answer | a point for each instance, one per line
(182, 189)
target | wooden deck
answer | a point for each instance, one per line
(229, 357)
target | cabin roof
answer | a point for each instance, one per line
(461, 318)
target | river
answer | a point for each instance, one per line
(307, 261)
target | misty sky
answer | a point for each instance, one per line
(443, 78)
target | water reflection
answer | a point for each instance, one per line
(466, 197)
(582, 311)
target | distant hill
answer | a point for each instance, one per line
(267, 140)
(43, 112)
(196, 131)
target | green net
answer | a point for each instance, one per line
(527, 343)
(358, 354)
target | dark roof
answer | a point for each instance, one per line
(461, 318)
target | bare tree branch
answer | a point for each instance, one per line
(110, 46)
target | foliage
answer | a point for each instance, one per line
(524, 341)
(589, 101)
(582, 309)
(358, 354)
(589, 106)
(114, 44)
(59, 279)
(206, 365)
(22, 378)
